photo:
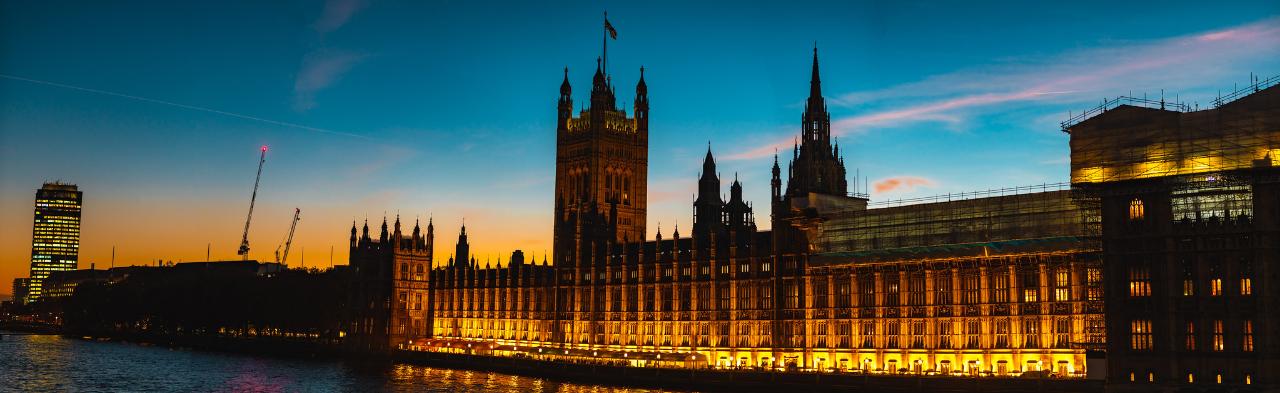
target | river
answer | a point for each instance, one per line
(58, 364)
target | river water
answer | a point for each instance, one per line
(58, 364)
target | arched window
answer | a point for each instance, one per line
(1136, 210)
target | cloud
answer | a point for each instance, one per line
(320, 69)
(336, 14)
(1080, 77)
(900, 184)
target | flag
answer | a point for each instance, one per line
(609, 28)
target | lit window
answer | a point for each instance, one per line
(1191, 378)
(1246, 286)
(1140, 334)
(1247, 340)
(1136, 210)
(1219, 378)
(1218, 341)
(1215, 287)
(1139, 281)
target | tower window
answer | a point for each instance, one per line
(1136, 210)
(1218, 339)
(1139, 281)
(1140, 334)
(1247, 336)
(1191, 336)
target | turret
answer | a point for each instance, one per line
(463, 250)
(601, 90)
(353, 234)
(776, 183)
(566, 102)
(642, 104)
(382, 238)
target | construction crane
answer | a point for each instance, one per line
(289, 240)
(244, 240)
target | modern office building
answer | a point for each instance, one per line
(55, 234)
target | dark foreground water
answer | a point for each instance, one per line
(57, 364)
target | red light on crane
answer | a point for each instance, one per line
(264, 148)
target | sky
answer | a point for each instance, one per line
(446, 110)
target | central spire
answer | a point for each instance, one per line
(815, 82)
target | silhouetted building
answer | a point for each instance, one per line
(55, 234)
(20, 290)
(388, 300)
(1190, 213)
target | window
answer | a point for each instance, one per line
(892, 294)
(1191, 336)
(844, 329)
(1000, 288)
(892, 330)
(972, 330)
(1029, 280)
(866, 290)
(1246, 279)
(1139, 281)
(1215, 287)
(1140, 334)
(1062, 284)
(1212, 201)
(1218, 340)
(1002, 333)
(868, 334)
(1094, 278)
(844, 292)
(1031, 333)
(917, 334)
(944, 334)
(970, 286)
(1188, 279)
(942, 286)
(1246, 343)
(1062, 333)
(915, 289)
(819, 292)
(1136, 211)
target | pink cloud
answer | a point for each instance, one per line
(337, 13)
(900, 184)
(1081, 76)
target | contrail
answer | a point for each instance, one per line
(185, 106)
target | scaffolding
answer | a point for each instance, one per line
(1042, 216)
(1131, 140)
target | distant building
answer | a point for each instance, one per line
(1190, 213)
(20, 290)
(55, 234)
(63, 284)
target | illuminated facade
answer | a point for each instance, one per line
(999, 283)
(1190, 211)
(55, 235)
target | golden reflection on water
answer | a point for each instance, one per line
(410, 376)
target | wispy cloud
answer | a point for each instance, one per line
(320, 69)
(337, 13)
(900, 184)
(1082, 76)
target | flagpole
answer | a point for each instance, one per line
(604, 39)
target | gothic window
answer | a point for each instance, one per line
(1139, 281)
(1190, 333)
(1031, 333)
(970, 286)
(1140, 334)
(915, 289)
(1029, 279)
(1000, 286)
(1247, 336)
(892, 294)
(942, 288)
(1218, 339)
(1136, 211)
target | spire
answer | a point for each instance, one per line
(641, 87)
(565, 89)
(383, 237)
(815, 82)
(365, 232)
(709, 163)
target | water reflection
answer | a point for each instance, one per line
(52, 363)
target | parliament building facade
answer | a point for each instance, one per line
(998, 283)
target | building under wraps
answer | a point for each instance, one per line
(1002, 282)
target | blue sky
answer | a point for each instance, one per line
(447, 109)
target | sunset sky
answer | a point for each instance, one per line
(447, 109)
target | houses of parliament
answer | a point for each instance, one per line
(1130, 260)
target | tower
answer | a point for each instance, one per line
(463, 250)
(55, 234)
(816, 165)
(708, 207)
(602, 161)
